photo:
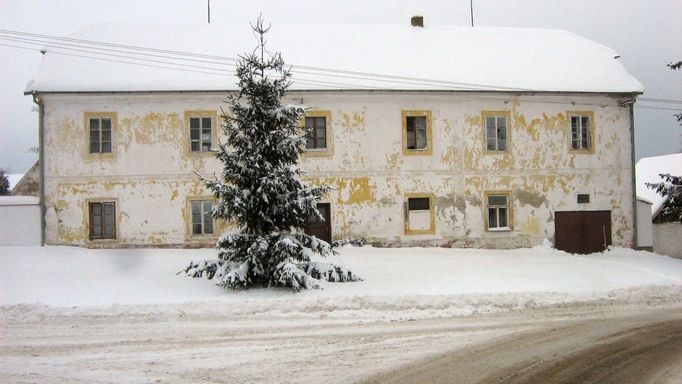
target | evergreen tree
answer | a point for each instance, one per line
(4, 183)
(671, 188)
(261, 190)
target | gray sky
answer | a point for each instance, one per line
(644, 32)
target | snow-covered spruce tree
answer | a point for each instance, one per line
(670, 188)
(261, 190)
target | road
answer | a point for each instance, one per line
(566, 344)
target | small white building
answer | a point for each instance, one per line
(666, 237)
(447, 135)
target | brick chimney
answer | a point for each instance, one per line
(417, 21)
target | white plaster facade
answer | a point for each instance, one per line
(151, 174)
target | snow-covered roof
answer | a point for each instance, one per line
(449, 57)
(647, 171)
(18, 200)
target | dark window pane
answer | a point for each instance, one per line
(106, 147)
(206, 147)
(106, 124)
(490, 123)
(321, 132)
(206, 122)
(196, 229)
(194, 122)
(501, 144)
(194, 134)
(490, 134)
(208, 225)
(418, 204)
(421, 138)
(195, 146)
(321, 143)
(498, 200)
(501, 122)
(94, 124)
(310, 144)
(94, 136)
(94, 147)
(308, 123)
(106, 135)
(492, 218)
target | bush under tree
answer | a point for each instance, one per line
(4, 183)
(261, 190)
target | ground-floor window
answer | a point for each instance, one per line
(202, 222)
(499, 211)
(419, 214)
(102, 220)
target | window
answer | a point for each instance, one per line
(416, 132)
(498, 212)
(102, 220)
(100, 134)
(496, 130)
(581, 124)
(202, 222)
(419, 214)
(200, 133)
(316, 127)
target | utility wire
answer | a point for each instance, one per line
(140, 59)
(295, 67)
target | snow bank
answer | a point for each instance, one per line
(399, 283)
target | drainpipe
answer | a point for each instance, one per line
(41, 164)
(634, 175)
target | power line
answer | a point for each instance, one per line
(318, 70)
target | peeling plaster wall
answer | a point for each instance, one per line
(150, 174)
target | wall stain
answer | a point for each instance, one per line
(530, 198)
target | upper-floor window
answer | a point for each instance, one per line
(416, 132)
(200, 133)
(581, 125)
(102, 220)
(496, 131)
(202, 222)
(100, 134)
(316, 128)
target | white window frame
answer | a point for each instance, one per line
(497, 207)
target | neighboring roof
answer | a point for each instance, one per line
(647, 171)
(467, 58)
(18, 200)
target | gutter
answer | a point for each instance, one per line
(41, 163)
(633, 173)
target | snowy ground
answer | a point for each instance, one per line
(72, 315)
(398, 283)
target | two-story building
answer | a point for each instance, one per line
(441, 135)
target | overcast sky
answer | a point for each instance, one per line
(644, 32)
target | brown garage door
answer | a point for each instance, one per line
(582, 231)
(319, 228)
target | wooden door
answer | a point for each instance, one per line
(582, 231)
(322, 229)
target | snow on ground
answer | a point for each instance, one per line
(399, 283)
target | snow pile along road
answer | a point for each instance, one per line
(399, 283)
